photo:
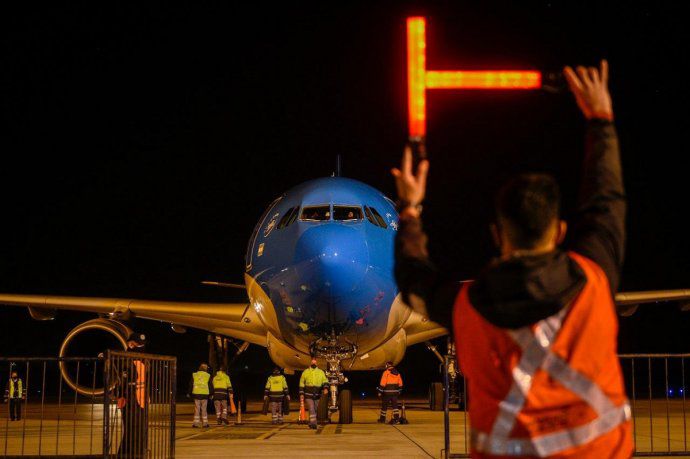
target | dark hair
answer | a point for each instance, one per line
(526, 206)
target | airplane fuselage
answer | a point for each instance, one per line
(320, 268)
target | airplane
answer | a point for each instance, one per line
(320, 283)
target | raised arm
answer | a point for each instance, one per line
(423, 286)
(599, 225)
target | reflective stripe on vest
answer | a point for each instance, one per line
(536, 353)
(553, 387)
(200, 383)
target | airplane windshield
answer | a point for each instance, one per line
(316, 213)
(347, 213)
(374, 217)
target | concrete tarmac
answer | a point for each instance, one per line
(79, 432)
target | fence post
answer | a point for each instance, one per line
(106, 405)
(446, 409)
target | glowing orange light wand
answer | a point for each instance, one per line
(419, 79)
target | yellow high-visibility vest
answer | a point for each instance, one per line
(200, 383)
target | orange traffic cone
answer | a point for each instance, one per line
(302, 418)
(233, 408)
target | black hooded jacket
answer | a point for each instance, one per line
(521, 290)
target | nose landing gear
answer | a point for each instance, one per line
(334, 353)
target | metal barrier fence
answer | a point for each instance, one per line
(655, 384)
(143, 386)
(48, 415)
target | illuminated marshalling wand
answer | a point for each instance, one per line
(419, 80)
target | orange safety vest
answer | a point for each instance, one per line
(140, 383)
(553, 389)
(390, 383)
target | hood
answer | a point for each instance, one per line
(393, 371)
(519, 291)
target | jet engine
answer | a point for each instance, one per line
(86, 377)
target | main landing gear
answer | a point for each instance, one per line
(457, 392)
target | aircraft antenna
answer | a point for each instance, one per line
(338, 167)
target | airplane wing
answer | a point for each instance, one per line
(628, 302)
(236, 320)
(652, 296)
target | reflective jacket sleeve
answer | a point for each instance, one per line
(267, 389)
(422, 285)
(301, 384)
(599, 225)
(383, 381)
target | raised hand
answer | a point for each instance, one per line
(411, 186)
(590, 87)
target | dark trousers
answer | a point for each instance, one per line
(15, 409)
(134, 432)
(391, 399)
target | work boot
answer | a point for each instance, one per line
(394, 421)
(312, 426)
(219, 421)
(206, 426)
(196, 426)
(227, 423)
(382, 420)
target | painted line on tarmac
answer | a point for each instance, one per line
(271, 433)
(189, 437)
(409, 438)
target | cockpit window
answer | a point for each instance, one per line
(286, 218)
(293, 217)
(347, 213)
(374, 217)
(316, 213)
(379, 218)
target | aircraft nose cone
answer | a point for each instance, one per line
(337, 256)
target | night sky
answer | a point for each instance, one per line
(141, 143)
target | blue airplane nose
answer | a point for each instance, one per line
(337, 257)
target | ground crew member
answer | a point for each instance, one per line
(133, 401)
(201, 388)
(222, 392)
(536, 331)
(311, 384)
(276, 390)
(15, 392)
(389, 390)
